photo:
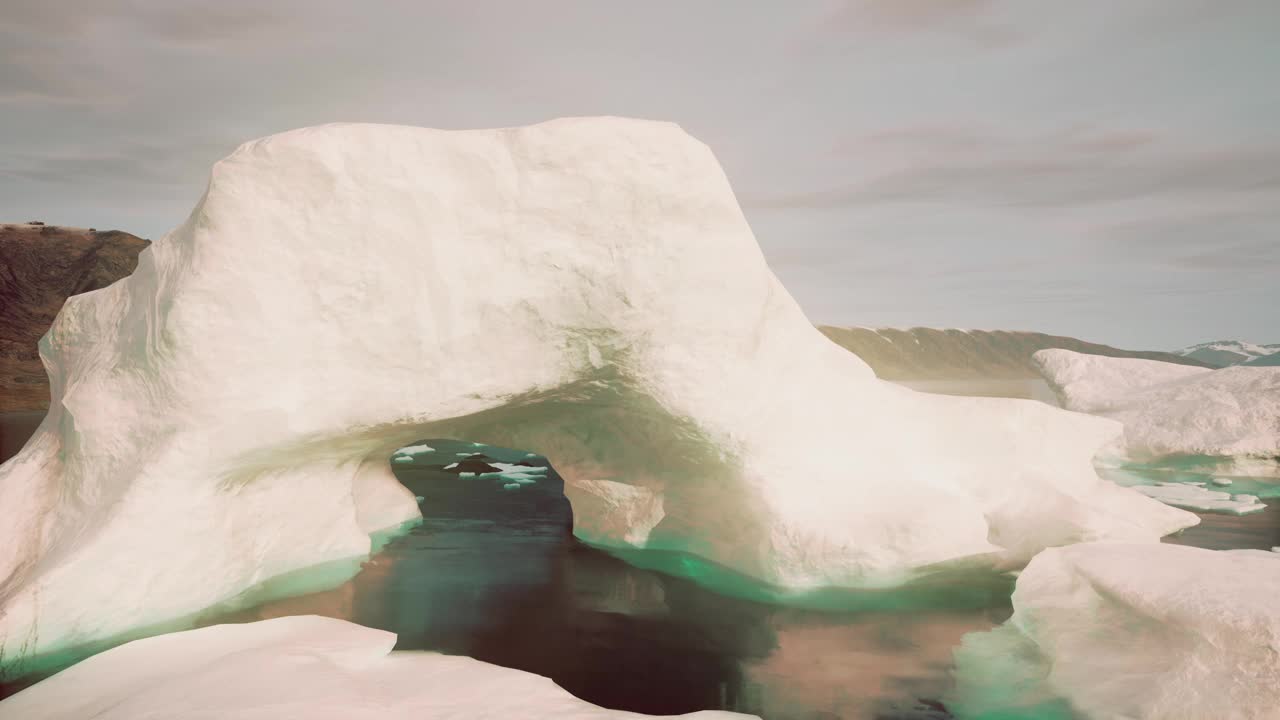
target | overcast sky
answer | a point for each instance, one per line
(1108, 170)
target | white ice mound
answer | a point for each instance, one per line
(1194, 497)
(586, 289)
(1170, 409)
(1142, 632)
(294, 667)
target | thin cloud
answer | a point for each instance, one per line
(1064, 169)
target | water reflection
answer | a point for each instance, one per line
(496, 574)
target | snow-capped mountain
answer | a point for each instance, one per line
(1222, 353)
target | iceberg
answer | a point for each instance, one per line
(294, 667)
(225, 415)
(1144, 632)
(1172, 410)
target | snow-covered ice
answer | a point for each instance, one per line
(225, 414)
(1172, 410)
(1222, 482)
(294, 667)
(1141, 632)
(1191, 496)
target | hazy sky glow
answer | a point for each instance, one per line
(1099, 169)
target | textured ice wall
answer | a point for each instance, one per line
(584, 288)
(1149, 632)
(1172, 409)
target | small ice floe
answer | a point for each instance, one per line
(419, 498)
(1221, 481)
(466, 474)
(450, 466)
(519, 472)
(415, 450)
(511, 486)
(1276, 549)
(1191, 497)
(531, 454)
(401, 458)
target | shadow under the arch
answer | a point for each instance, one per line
(494, 572)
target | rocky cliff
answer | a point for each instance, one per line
(40, 266)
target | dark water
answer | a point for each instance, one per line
(495, 573)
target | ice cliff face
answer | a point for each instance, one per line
(1152, 632)
(1172, 409)
(587, 289)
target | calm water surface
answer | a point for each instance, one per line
(496, 574)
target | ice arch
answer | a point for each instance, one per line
(587, 288)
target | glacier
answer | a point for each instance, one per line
(293, 667)
(1110, 631)
(587, 289)
(1172, 410)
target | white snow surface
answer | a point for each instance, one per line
(1170, 409)
(294, 667)
(1134, 632)
(226, 413)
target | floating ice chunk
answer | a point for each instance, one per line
(1192, 497)
(1221, 481)
(450, 466)
(415, 450)
(512, 486)
(509, 469)
(1145, 632)
(467, 474)
(1276, 549)
(400, 459)
(419, 498)
(1169, 409)
(294, 667)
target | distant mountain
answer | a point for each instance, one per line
(40, 266)
(1221, 353)
(933, 354)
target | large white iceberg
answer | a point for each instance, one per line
(587, 289)
(1170, 409)
(294, 667)
(1134, 632)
